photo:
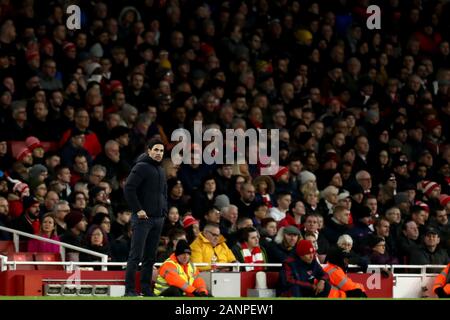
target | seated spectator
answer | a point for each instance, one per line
(174, 235)
(408, 241)
(228, 220)
(268, 230)
(337, 225)
(28, 221)
(345, 242)
(119, 226)
(192, 228)
(74, 235)
(248, 250)
(283, 202)
(441, 222)
(4, 219)
(103, 221)
(204, 197)
(47, 230)
(60, 211)
(283, 245)
(329, 200)
(379, 254)
(96, 240)
(120, 247)
(172, 221)
(212, 215)
(295, 215)
(429, 252)
(264, 187)
(362, 228)
(210, 243)
(301, 274)
(312, 225)
(178, 276)
(261, 213)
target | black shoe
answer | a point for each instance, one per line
(147, 294)
(131, 294)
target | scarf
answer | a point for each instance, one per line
(254, 256)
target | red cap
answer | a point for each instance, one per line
(430, 124)
(444, 199)
(20, 187)
(281, 171)
(304, 247)
(189, 221)
(31, 54)
(23, 153)
(33, 143)
(423, 205)
(69, 46)
(115, 85)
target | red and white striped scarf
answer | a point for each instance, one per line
(254, 256)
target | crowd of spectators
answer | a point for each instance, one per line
(363, 119)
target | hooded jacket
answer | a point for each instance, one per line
(146, 187)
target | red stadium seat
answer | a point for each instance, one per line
(41, 256)
(6, 247)
(22, 256)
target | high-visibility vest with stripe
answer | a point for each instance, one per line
(340, 281)
(189, 277)
(443, 280)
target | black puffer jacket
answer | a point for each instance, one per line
(146, 187)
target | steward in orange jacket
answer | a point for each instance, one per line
(442, 283)
(342, 285)
(178, 276)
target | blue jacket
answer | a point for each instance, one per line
(298, 277)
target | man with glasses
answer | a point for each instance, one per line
(210, 247)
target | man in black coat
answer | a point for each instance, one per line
(146, 194)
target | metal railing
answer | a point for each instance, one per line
(62, 246)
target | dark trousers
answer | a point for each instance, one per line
(144, 243)
(172, 292)
(298, 291)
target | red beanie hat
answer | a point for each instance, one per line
(444, 199)
(304, 247)
(69, 46)
(33, 143)
(428, 187)
(23, 153)
(281, 171)
(430, 124)
(189, 221)
(423, 205)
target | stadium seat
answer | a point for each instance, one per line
(41, 256)
(22, 256)
(6, 247)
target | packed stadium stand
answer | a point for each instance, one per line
(362, 116)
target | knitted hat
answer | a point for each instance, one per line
(444, 199)
(303, 36)
(304, 247)
(115, 85)
(281, 171)
(23, 153)
(428, 187)
(423, 205)
(20, 187)
(306, 176)
(189, 221)
(36, 170)
(182, 247)
(344, 194)
(221, 201)
(33, 143)
(73, 218)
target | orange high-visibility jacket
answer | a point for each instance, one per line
(443, 280)
(340, 282)
(186, 277)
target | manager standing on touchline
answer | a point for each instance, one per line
(146, 193)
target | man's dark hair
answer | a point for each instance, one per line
(153, 142)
